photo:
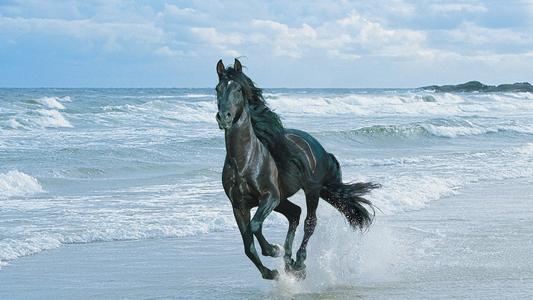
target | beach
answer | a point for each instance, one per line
(117, 194)
(459, 247)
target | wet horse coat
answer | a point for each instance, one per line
(266, 164)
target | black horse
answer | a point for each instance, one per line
(267, 163)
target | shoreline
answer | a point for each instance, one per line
(470, 245)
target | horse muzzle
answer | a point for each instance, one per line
(224, 122)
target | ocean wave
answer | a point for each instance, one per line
(119, 226)
(411, 183)
(200, 111)
(41, 118)
(46, 115)
(368, 104)
(13, 248)
(443, 128)
(192, 95)
(400, 192)
(52, 102)
(15, 183)
(422, 190)
(299, 105)
(406, 103)
(51, 118)
(188, 208)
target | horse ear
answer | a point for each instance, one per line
(220, 69)
(237, 66)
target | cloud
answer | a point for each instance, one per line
(273, 35)
(211, 35)
(350, 37)
(222, 42)
(110, 34)
(458, 8)
(469, 33)
(284, 40)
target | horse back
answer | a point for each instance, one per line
(311, 170)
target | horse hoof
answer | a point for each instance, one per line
(275, 251)
(271, 275)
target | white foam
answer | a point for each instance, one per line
(412, 192)
(455, 131)
(526, 149)
(198, 112)
(368, 104)
(192, 95)
(115, 225)
(15, 183)
(13, 123)
(51, 102)
(51, 118)
(407, 104)
(201, 111)
(414, 182)
(158, 211)
(449, 128)
(341, 256)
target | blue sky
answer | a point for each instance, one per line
(112, 43)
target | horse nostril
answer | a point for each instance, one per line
(228, 115)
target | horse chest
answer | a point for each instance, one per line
(240, 190)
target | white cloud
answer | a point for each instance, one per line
(356, 33)
(211, 35)
(458, 7)
(84, 30)
(177, 11)
(350, 38)
(470, 33)
(167, 51)
(219, 40)
(284, 40)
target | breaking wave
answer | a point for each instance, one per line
(15, 183)
(47, 115)
(445, 128)
(53, 102)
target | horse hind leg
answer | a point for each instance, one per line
(311, 200)
(292, 212)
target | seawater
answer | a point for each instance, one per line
(90, 165)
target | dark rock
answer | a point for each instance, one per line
(476, 86)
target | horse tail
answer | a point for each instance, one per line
(347, 197)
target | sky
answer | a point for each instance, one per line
(357, 44)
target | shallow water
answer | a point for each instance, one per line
(89, 165)
(454, 248)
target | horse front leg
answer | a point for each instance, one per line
(268, 201)
(267, 249)
(242, 216)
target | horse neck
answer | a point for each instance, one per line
(241, 141)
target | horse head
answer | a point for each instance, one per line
(230, 94)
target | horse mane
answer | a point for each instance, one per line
(266, 123)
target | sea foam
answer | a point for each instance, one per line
(15, 183)
(52, 102)
(51, 118)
